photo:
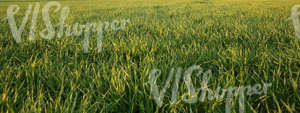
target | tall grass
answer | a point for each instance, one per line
(243, 42)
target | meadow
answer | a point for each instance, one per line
(243, 42)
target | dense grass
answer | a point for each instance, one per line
(243, 42)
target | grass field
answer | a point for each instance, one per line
(243, 42)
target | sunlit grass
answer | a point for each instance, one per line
(243, 42)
